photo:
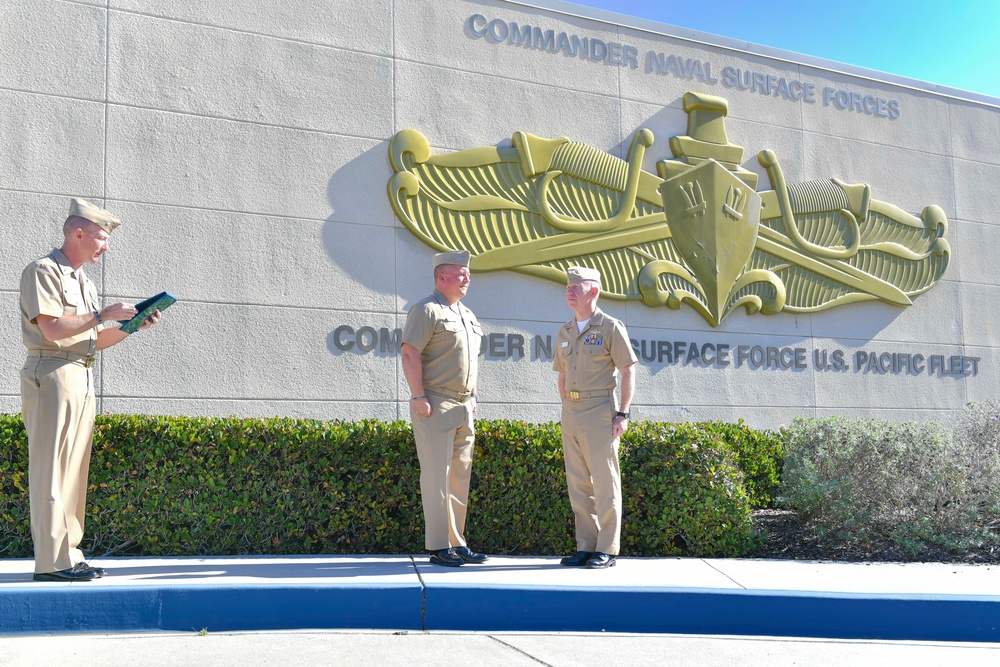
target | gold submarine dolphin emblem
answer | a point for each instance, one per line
(698, 232)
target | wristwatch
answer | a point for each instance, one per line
(626, 415)
(97, 316)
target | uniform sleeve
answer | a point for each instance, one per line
(41, 292)
(558, 363)
(419, 327)
(622, 354)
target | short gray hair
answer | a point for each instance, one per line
(74, 222)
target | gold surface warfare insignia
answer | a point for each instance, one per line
(697, 233)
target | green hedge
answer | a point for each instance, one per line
(760, 455)
(683, 493)
(196, 486)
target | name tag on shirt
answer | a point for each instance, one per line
(564, 344)
(593, 339)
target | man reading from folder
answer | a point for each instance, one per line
(62, 326)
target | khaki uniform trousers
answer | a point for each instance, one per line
(592, 473)
(444, 447)
(57, 404)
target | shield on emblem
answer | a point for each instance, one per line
(713, 218)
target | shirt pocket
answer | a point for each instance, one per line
(72, 295)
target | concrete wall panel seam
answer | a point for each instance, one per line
(245, 32)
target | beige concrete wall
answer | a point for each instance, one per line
(245, 146)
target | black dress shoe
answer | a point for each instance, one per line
(446, 557)
(579, 560)
(470, 556)
(99, 571)
(600, 561)
(79, 572)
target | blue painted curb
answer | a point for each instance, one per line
(45, 608)
(694, 611)
(72, 608)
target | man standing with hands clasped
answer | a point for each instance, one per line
(589, 350)
(61, 326)
(440, 351)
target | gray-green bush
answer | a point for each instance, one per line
(917, 485)
(977, 435)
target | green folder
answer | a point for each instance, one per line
(160, 302)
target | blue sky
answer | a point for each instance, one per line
(956, 43)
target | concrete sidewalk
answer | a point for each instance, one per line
(345, 648)
(929, 602)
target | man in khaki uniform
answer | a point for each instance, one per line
(61, 326)
(440, 351)
(589, 350)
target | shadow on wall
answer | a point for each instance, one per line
(357, 191)
(357, 196)
(671, 117)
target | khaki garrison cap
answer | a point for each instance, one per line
(575, 274)
(104, 219)
(460, 257)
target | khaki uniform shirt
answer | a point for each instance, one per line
(448, 338)
(50, 286)
(590, 357)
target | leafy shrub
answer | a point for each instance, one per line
(683, 493)
(977, 438)
(15, 520)
(759, 455)
(191, 486)
(518, 500)
(864, 479)
(195, 486)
